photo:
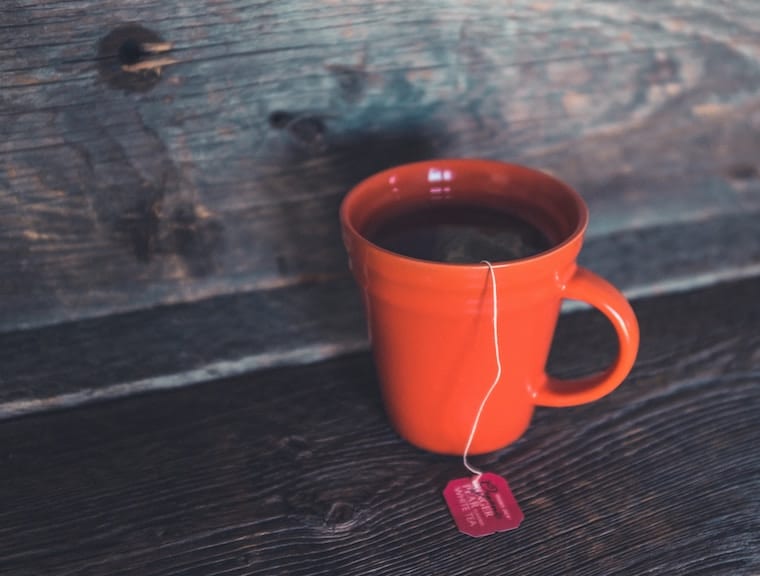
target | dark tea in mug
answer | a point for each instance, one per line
(458, 233)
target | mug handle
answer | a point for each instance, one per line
(590, 288)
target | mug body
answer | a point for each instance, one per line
(431, 323)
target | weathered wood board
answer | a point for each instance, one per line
(124, 190)
(171, 346)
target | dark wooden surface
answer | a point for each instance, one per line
(121, 191)
(295, 471)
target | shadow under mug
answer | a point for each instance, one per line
(431, 323)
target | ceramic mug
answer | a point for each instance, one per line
(431, 323)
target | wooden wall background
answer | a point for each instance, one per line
(161, 229)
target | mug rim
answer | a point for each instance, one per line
(481, 165)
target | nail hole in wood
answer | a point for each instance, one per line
(130, 51)
(124, 46)
(279, 119)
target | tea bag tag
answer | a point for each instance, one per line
(482, 505)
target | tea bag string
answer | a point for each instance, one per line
(475, 471)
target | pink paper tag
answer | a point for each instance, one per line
(484, 506)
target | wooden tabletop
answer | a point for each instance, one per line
(296, 471)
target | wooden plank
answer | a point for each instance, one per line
(296, 471)
(183, 344)
(223, 173)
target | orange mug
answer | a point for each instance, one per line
(431, 323)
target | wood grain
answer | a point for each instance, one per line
(295, 471)
(222, 174)
(188, 343)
